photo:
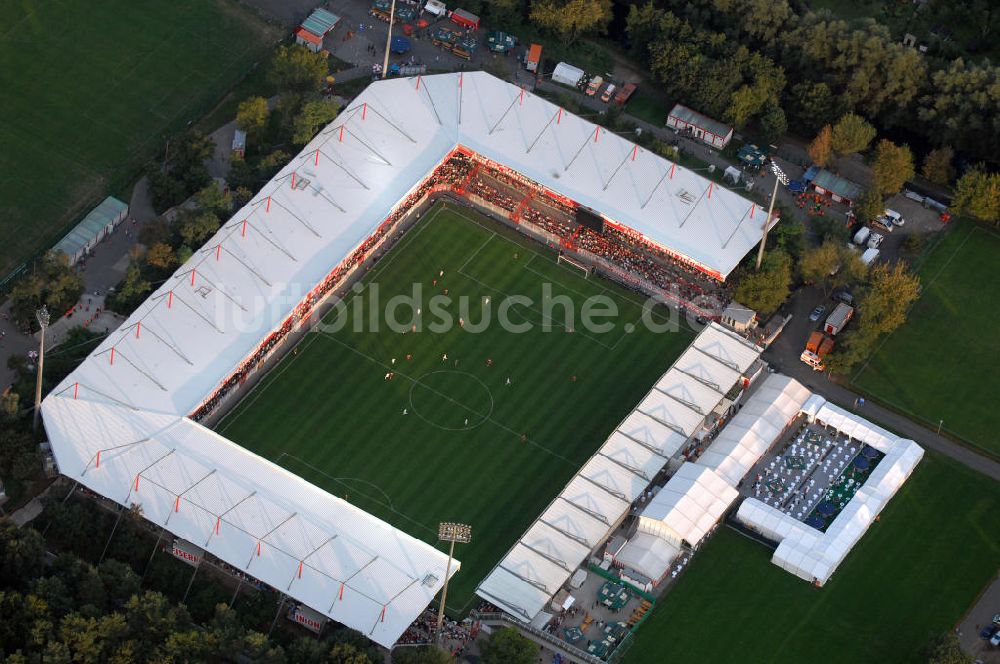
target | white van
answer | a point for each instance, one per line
(893, 217)
(436, 7)
(862, 235)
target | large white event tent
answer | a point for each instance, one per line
(120, 420)
(687, 506)
(761, 420)
(602, 492)
(813, 555)
(699, 494)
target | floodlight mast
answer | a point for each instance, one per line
(779, 177)
(388, 40)
(42, 315)
(449, 532)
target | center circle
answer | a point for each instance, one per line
(451, 400)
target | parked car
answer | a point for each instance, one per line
(893, 217)
(862, 235)
(608, 94)
(988, 632)
(875, 240)
(995, 639)
(817, 313)
(845, 297)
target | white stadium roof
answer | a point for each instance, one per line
(603, 491)
(130, 398)
(813, 555)
(207, 490)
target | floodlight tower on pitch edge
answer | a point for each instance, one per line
(779, 176)
(388, 40)
(450, 532)
(42, 315)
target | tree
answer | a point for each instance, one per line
(887, 299)
(314, 114)
(869, 205)
(851, 134)
(508, 646)
(812, 105)
(946, 649)
(10, 406)
(212, 198)
(571, 19)
(892, 167)
(773, 123)
(766, 289)
(642, 27)
(161, 256)
(978, 193)
(298, 70)
(22, 555)
(831, 264)
(821, 148)
(423, 655)
(938, 165)
(251, 117)
(197, 227)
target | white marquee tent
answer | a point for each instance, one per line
(813, 555)
(245, 283)
(687, 507)
(601, 494)
(764, 416)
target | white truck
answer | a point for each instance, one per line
(836, 321)
(862, 235)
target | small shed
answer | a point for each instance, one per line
(705, 129)
(96, 226)
(312, 31)
(739, 317)
(239, 144)
(841, 190)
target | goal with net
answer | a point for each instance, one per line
(575, 265)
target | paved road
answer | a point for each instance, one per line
(784, 353)
(980, 615)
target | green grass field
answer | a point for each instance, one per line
(89, 89)
(938, 365)
(329, 415)
(910, 579)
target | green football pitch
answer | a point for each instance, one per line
(451, 440)
(88, 90)
(909, 579)
(938, 366)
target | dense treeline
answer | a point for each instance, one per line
(741, 59)
(746, 60)
(65, 609)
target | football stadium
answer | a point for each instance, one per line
(266, 407)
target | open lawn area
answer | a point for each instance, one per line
(451, 439)
(910, 579)
(939, 365)
(90, 88)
